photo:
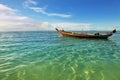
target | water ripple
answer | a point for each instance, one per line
(48, 56)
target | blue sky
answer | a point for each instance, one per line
(68, 14)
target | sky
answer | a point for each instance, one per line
(37, 15)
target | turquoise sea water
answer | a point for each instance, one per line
(49, 56)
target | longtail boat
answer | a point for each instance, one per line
(85, 35)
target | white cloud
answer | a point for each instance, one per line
(10, 21)
(82, 26)
(104, 28)
(30, 3)
(72, 26)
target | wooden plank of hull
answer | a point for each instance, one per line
(86, 36)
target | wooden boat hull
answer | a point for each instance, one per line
(71, 34)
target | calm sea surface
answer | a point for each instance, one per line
(49, 56)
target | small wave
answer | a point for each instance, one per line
(73, 70)
(6, 70)
(4, 64)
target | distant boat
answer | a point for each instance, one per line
(85, 35)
